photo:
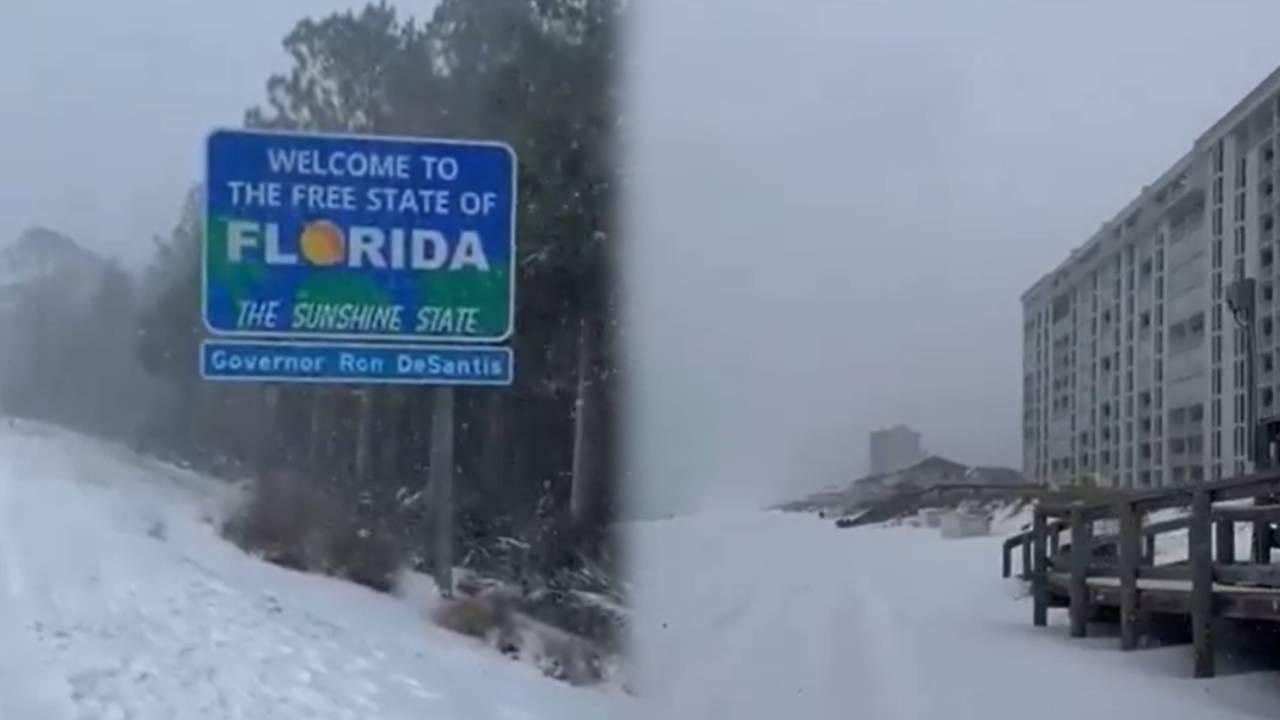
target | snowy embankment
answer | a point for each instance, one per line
(118, 600)
(768, 615)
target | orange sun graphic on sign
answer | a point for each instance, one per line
(322, 243)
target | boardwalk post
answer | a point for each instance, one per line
(1260, 546)
(1026, 557)
(1006, 562)
(1149, 549)
(1225, 539)
(1130, 548)
(1200, 548)
(1259, 552)
(1039, 571)
(1054, 538)
(1081, 549)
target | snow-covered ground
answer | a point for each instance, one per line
(118, 601)
(772, 615)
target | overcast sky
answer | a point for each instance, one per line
(842, 201)
(105, 105)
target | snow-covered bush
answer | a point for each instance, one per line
(493, 617)
(287, 521)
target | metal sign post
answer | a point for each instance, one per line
(362, 260)
(440, 480)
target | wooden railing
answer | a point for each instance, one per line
(1125, 563)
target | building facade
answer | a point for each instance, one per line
(894, 448)
(1133, 367)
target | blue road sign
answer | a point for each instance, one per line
(340, 237)
(248, 360)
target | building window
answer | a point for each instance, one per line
(1215, 443)
(1268, 397)
(1217, 376)
(1268, 362)
(1217, 221)
(1217, 253)
(1217, 406)
(1217, 351)
(1268, 292)
(1217, 191)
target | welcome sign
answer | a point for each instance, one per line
(332, 237)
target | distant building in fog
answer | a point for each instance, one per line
(894, 448)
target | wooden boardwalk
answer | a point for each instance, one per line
(1069, 564)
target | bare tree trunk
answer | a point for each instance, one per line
(267, 444)
(389, 433)
(496, 457)
(364, 439)
(316, 441)
(584, 492)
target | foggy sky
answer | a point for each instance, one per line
(841, 202)
(106, 105)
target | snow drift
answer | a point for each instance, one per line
(118, 600)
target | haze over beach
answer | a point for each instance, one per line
(837, 232)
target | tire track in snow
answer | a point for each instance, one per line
(874, 632)
(14, 584)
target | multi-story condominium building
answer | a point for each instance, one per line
(1134, 369)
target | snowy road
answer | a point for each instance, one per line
(761, 615)
(118, 602)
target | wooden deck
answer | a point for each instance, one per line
(1070, 565)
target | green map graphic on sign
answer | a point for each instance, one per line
(357, 237)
